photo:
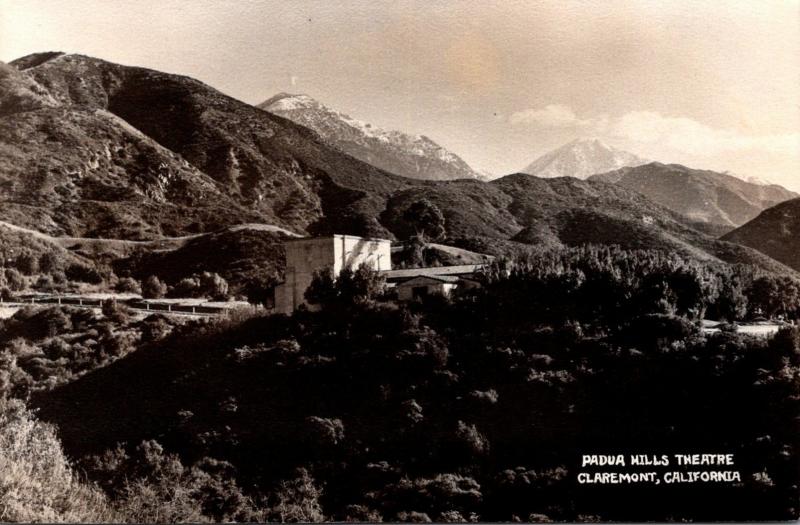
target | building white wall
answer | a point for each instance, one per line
(306, 256)
(405, 290)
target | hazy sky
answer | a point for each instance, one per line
(711, 84)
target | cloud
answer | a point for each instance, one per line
(550, 116)
(688, 135)
(648, 127)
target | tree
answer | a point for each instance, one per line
(128, 285)
(27, 263)
(48, 262)
(153, 288)
(351, 287)
(426, 219)
(84, 274)
(16, 282)
(186, 287)
(45, 284)
(731, 304)
(214, 286)
(261, 291)
(765, 294)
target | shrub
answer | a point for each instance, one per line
(298, 500)
(128, 285)
(37, 481)
(84, 274)
(351, 287)
(16, 282)
(49, 262)
(324, 432)
(214, 286)
(153, 288)
(152, 486)
(45, 284)
(27, 263)
(186, 287)
(114, 311)
(261, 291)
(475, 442)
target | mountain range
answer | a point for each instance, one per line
(89, 148)
(413, 156)
(581, 159)
(701, 195)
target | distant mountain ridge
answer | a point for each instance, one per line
(702, 195)
(775, 232)
(412, 156)
(581, 159)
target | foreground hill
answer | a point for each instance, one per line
(413, 156)
(581, 158)
(775, 232)
(702, 195)
(443, 409)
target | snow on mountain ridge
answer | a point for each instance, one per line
(414, 156)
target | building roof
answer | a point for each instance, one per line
(440, 278)
(410, 273)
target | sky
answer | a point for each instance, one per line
(711, 84)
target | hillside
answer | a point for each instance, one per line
(518, 211)
(250, 165)
(702, 195)
(775, 232)
(529, 362)
(91, 149)
(581, 158)
(240, 255)
(412, 156)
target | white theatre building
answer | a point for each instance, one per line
(306, 256)
(309, 255)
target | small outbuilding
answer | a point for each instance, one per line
(422, 286)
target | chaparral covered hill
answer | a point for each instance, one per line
(775, 232)
(94, 149)
(702, 195)
(124, 151)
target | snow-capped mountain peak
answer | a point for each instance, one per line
(413, 156)
(582, 158)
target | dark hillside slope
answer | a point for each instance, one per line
(84, 172)
(775, 232)
(568, 211)
(280, 170)
(241, 256)
(524, 210)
